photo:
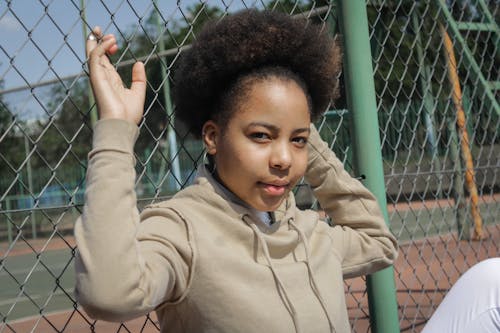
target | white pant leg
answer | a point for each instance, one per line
(473, 303)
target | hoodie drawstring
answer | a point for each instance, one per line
(282, 291)
(314, 285)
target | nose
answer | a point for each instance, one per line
(281, 156)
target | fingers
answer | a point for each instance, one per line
(138, 86)
(113, 99)
(98, 45)
(138, 77)
(92, 42)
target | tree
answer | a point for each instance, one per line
(11, 140)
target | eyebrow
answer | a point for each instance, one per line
(276, 129)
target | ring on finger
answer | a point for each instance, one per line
(92, 37)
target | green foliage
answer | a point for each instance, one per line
(67, 133)
(49, 146)
(11, 156)
(5, 118)
(295, 6)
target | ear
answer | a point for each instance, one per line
(210, 134)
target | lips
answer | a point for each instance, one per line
(275, 188)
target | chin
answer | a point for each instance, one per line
(269, 206)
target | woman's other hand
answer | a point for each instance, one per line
(113, 99)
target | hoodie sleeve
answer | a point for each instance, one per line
(360, 234)
(125, 264)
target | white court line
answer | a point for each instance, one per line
(20, 320)
(23, 298)
(39, 268)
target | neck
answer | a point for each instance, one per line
(265, 217)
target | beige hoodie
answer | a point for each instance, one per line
(206, 263)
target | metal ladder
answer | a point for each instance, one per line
(454, 28)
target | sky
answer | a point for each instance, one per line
(56, 33)
(42, 40)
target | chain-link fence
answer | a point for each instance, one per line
(436, 79)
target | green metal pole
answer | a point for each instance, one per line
(426, 91)
(9, 219)
(92, 106)
(30, 185)
(172, 141)
(360, 87)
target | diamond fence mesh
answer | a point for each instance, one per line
(436, 78)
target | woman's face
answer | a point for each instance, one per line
(262, 153)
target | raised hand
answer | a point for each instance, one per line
(113, 99)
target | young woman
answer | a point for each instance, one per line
(231, 252)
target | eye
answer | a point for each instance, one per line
(260, 136)
(300, 141)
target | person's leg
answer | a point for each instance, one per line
(472, 304)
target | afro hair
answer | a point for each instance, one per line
(248, 42)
